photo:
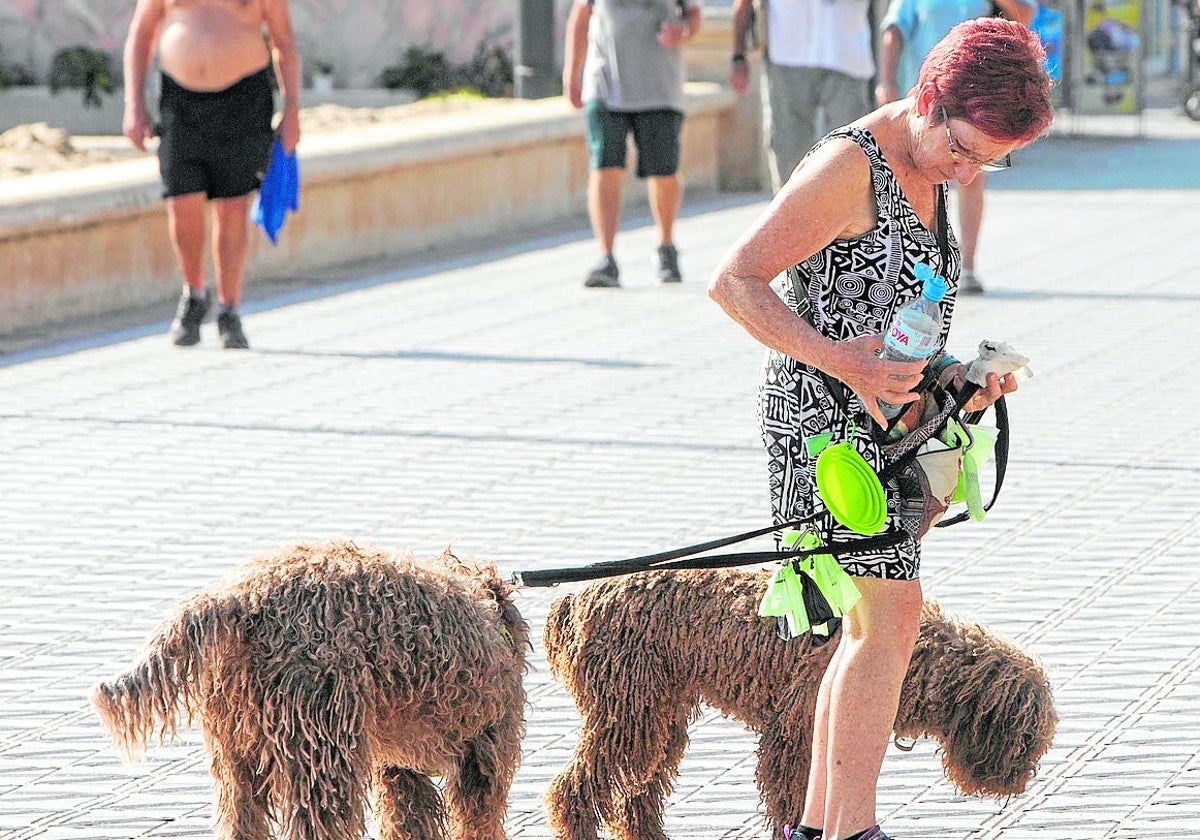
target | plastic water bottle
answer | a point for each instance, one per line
(913, 334)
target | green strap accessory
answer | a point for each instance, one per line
(976, 454)
(810, 592)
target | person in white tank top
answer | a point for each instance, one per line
(818, 65)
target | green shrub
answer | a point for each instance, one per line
(82, 68)
(423, 72)
(490, 72)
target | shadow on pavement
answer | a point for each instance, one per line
(267, 293)
(424, 355)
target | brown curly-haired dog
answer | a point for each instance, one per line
(324, 672)
(639, 654)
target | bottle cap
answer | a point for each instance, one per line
(933, 286)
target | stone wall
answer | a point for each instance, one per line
(83, 243)
(358, 37)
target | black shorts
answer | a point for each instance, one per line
(215, 142)
(655, 134)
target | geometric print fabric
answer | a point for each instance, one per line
(848, 289)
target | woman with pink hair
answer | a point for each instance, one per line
(859, 212)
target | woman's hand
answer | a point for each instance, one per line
(857, 364)
(997, 386)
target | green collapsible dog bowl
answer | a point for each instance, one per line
(851, 490)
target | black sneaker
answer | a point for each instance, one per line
(668, 264)
(189, 315)
(229, 326)
(604, 274)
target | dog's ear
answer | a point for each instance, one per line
(557, 636)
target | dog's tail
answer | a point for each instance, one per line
(170, 677)
(516, 625)
(501, 591)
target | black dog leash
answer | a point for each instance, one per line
(684, 558)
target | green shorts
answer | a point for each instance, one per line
(655, 133)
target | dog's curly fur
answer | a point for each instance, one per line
(639, 654)
(323, 673)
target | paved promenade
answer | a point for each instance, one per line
(489, 402)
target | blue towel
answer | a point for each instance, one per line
(279, 193)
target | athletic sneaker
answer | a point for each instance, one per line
(604, 274)
(189, 315)
(229, 325)
(968, 283)
(668, 264)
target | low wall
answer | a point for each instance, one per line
(82, 243)
(65, 109)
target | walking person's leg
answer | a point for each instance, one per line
(843, 99)
(970, 222)
(792, 100)
(656, 134)
(606, 135)
(863, 695)
(186, 225)
(666, 197)
(818, 775)
(230, 241)
(604, 205)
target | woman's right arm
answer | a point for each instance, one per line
(829, 196)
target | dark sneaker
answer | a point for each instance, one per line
(189, 315)
(604, 274)
(968, 283)
(229, 326)
(668, 264)
(875, 833)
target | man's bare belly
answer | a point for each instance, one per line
(205, 47)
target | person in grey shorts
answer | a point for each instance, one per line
(818, 63)
(624, 63)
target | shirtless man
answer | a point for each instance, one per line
(215, 127)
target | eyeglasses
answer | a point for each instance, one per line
(998, 165)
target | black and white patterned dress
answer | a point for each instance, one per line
(850, 288)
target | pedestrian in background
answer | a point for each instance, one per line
(624, 65)
(215, 114)
(909, 30)
(818, 64)
(848, 228)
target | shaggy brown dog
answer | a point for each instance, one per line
(639, 654)
(324, 672)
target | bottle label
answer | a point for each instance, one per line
(914, 337)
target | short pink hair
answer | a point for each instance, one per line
(991, 72)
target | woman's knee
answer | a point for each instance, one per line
(888, 613)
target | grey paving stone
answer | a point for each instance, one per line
(488, 402)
